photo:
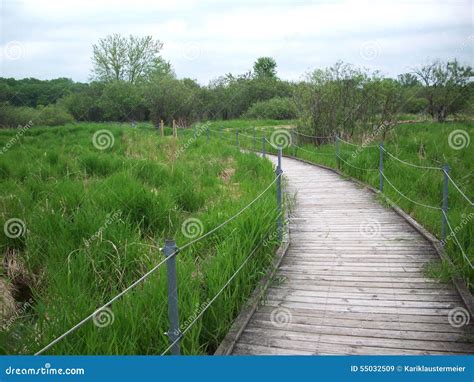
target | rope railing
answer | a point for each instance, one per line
(314, 136)
(410, 164)
(358, 168)
(460, 191)
(407, 198)
(155, 268)
(355, 144)
(456, 240)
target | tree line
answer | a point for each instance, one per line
(132, 82)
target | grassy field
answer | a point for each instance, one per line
(93, 212)
(423, 144)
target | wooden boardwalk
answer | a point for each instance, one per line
(353, 280)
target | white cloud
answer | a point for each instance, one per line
(206, 39)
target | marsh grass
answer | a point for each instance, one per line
(95, 220)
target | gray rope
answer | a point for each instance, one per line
(358, 168)
(457, 188)
(354, 144)
(411, 164)
(78, 325)
(406, 197)
(313, 136)
(457, 241)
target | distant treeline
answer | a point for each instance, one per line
(131, 82)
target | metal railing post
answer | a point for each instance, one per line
(263, 146)
(207, 135)
(445, 203)
(278, 173)
(174, 333)
(381, 167)
(194, 131)
(337, 152)
(237, 138)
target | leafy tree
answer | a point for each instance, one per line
(129, 59)
(265, 67)
(445, 87)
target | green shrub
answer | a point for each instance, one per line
(274, 108)
(51, 115)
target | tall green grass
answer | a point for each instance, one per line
(95, 220)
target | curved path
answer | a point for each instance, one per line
(353, 280)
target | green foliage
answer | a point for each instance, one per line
(51, 115)
(447, 87)
(265, 67)
(275, 108)
(132, 59)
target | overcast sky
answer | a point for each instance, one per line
(204, 39)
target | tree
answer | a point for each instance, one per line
(265, 67)
(446, 87)
(117, 58)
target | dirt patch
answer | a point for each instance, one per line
(16, 272)
(227, 174)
